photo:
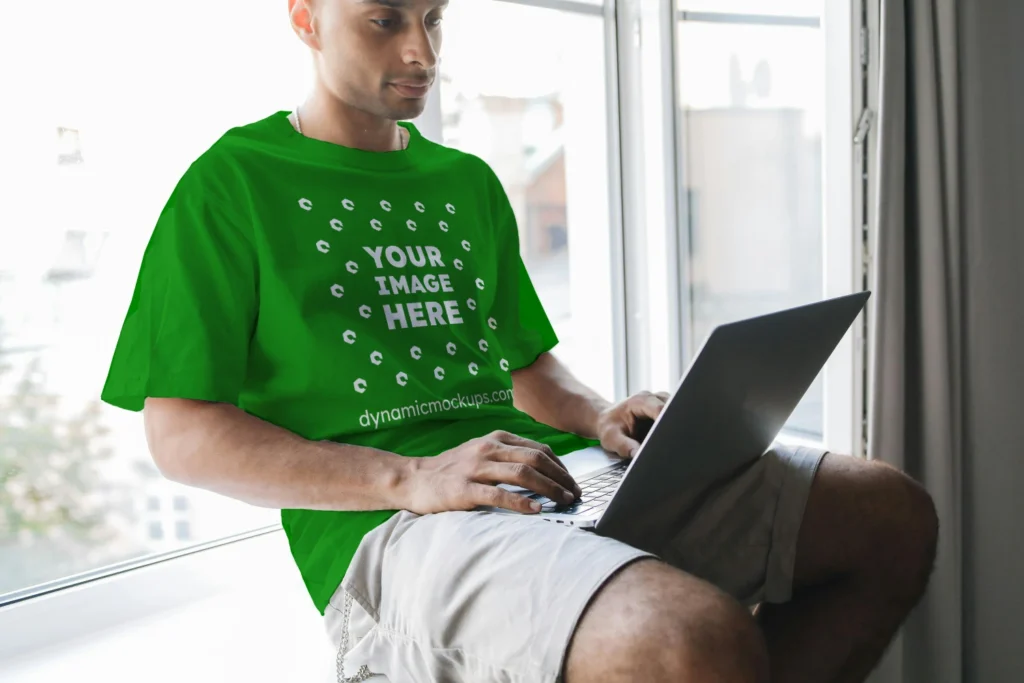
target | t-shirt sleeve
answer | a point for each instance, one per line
(523, 326)
(194, 307)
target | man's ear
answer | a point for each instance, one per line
(301, 14)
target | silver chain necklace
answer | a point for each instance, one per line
(402, 133)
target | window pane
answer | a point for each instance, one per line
(752, 110)
(537, 116)
(111, 119)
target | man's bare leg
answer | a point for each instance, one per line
(864, 554)
(654, 623)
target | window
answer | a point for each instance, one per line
(111, 121)
(752, 111)
(535, 112)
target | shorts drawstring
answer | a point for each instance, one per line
(363, 672)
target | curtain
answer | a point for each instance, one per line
(946, 398)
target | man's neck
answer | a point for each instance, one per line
(331, 120)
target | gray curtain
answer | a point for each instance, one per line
(947, 378)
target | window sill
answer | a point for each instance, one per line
(207, 616)
(789, 439)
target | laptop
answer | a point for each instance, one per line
(725, 412)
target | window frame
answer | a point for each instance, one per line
(843, 255)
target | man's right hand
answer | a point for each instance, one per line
(466, 476)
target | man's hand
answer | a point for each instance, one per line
(617, 425)
(465, 476)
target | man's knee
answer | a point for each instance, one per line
(895, 526)
(915, 533)
(654, 623)
(869, 521)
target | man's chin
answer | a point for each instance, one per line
(402, 109)
(406, 112)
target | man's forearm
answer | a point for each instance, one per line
(221, 448)
(549, 393)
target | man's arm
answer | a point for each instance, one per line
(549, 393)
(218, 447)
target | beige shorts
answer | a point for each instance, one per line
(482, 597)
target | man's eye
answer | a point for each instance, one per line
(384, 23)
(435, 22)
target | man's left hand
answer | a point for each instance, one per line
(617, 425)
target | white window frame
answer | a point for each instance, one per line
(842, 253)
(850, 153)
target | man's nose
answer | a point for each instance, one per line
(419, 48)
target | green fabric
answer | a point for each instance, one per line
(376, 299)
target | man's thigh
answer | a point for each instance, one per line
(741, 535)
(468, 596)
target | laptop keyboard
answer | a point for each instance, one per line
(597, 491)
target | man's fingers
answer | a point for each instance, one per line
(554, 468)
(516, 440)
(540, 462)
(481, 494)
(624, 446)
(652, 405)
(526, 476)
(549, 465)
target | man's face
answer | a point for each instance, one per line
(379, 56)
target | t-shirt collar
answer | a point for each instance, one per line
(350, 156)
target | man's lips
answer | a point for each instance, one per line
(411, 89)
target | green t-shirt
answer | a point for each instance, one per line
(371, 298)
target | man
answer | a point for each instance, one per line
(332, 318)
